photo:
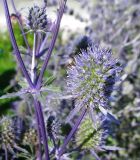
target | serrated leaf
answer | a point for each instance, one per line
(112, 148)
(108, 115)
(95, 154)
(23, 50)
(21, 149)
(112, 118)
(23, 84)
(49, 80)
(13, 95)
(73, 113)
(50, 89)
(93, 116)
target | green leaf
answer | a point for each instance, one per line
(13, 95)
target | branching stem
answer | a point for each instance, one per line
(42, 127)
(33, 65)
(39, 156)
(14, 44)
(72, 132)
(20, 25)
(54, 36)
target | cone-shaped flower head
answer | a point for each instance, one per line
(30, 137)
(91, 80)
(37, 19)
(89, 138)
(11, 129)
(7, 135)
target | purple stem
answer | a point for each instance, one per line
(39, 156)
(44, 3)
(54, 36)
(20, 25)
(6, 152)
(72, 132)
(42, 127)
(14, 44)
(43, 43)
(39, 41)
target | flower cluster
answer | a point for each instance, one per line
(91, 80)
(37, 19)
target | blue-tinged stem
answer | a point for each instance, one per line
(33, 64)
(39, 156)
(54, 36)
(43, 44)
(42, 127)
(72, 132)
(44, 3)
(21, 27)
(14, 44)
(6, 153)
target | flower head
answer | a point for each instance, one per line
(8, 138)
(91, 80)
(37, 19)
(53, 127)
(30, 137)
(89, 138)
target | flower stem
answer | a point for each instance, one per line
(6, 152)
(14, 44)
(42, 127)
(39, 156)
(72, 132)
(20, 25)
(33, 65)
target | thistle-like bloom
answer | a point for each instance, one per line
(91, 80)
(30, 137)
(7, 137)
(9, 134)
(53, 127)
(89, 138)
(37, 19)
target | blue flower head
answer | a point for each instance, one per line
(37, 19)
(92, 79)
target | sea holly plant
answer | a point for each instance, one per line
(90, 82)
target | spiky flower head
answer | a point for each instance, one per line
(7, 133)
(87, 137)
(53, 127)
(37, 19)
(30, 137)
(91, 80)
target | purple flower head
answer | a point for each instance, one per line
(37, 19)
(53, 127)
(91, 80)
